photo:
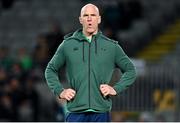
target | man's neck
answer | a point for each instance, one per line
(89, 35)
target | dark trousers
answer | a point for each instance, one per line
(88, 117)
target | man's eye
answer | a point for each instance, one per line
(93, 15)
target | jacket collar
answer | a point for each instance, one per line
(78, 35)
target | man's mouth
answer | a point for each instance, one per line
(89, 24)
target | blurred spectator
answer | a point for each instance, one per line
(46, 45)
(40, 53)
(17, 71)
(25, 112)
(3, 77)
(24, 59)
(54, 37)
(28, 109)
(14, 89)
(5, 60)
(6, 112)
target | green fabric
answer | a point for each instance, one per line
(90, 110)
(6, 63)
(86, 38)
(67, 112)
(88, 65)
(26, 63)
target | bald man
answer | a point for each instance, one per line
(90, 58)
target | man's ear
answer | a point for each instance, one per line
(80, 20)
(99, 20)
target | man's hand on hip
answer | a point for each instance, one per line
(107, 90)
(68, 94)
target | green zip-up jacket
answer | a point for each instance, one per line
(88, 65)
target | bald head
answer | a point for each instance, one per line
(89, 6)
(90, 19)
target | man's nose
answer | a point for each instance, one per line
(89, 18)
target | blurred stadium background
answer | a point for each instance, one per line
(148, 31)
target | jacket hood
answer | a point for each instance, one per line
(75, 35)
(78, 35)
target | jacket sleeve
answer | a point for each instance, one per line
(51, 71)
(127, 68)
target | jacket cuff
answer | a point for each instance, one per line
(118, 89)
(58, 91)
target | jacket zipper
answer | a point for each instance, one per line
(89, 73)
